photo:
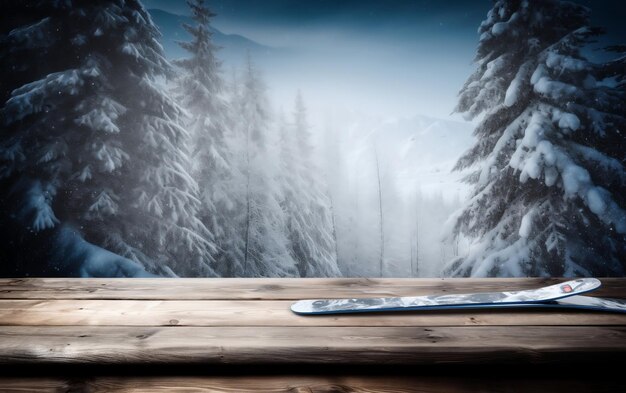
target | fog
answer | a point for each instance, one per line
(313, 138)
(380, 84)
(379, 100)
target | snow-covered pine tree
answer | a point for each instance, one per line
(333, 174)
(548, 165)
(201, 90)
(305, 202)
(265, 242)
(92, 140)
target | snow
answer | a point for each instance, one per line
(36, 211)
(91, 70)
(32, 36)
(512, 93)
(535, 130)
(518, 226)
(485, 36)
(98, 120)
(77, 257)
(565, 63)
(569, 120)
(131, 49)
(85, 174)
(499, 28)
(495, 66)
(574, 177)
(540, 72)
(79, 40)
(34, 97)
(595, 201)
(554, 89)
(546, 149)
(104, 204)
(525, 228)
(415, 155)
(182, 188)
(110, 157)
(551, 175)
(600, 160)
(535, 154)
(71, 133)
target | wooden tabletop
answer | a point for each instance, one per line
(230, 323)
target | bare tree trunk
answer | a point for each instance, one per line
(411, 269)
(332, 215)
(247, 243)
(380, 208)
(414, 241)
(417, 249)
(417, 237)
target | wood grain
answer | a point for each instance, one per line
(101, 345)
(268, 288)
(175, 323)
(267, 313)
(310, 384)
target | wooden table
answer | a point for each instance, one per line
(237, 335)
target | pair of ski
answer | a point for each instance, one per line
(564, 295)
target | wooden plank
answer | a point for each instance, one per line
(266, 313)
(310, 345)
(268, 288)
(312, 384)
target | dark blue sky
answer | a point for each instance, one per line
(452, 16)
(274, 21)
(396, 56)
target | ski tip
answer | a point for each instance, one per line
(594, 281)
(580, 285)
(302, 307)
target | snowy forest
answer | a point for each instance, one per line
(143, 139)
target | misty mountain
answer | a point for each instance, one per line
(426, 141)
(419, 151)
(233, 46)
(397, 187)
(428, 148)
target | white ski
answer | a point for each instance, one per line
(435, 302)
(573, 302)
